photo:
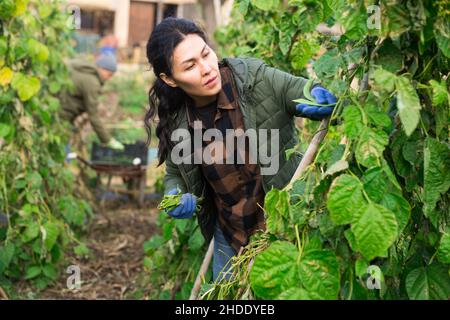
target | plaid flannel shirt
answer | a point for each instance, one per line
(238, 188)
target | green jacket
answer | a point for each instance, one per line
(265, 98)
(84, 96)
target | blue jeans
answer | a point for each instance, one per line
(223, 252)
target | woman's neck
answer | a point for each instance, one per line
(201, 102)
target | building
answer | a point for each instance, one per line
(132, 21)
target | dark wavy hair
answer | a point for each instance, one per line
(164, 100)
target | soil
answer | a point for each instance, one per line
(114, 268)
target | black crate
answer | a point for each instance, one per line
(104, 155)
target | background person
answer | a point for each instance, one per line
(88, 79)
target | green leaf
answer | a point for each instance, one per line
(329, 64)
(71, 210)
(31, 231)
(338, 166)
(344, 198)
(436, 174)
(353, 122)
(6, 255)
(428, 283)
(7, 8)
(384, 80)
(34, 179)
(440, 94)
(377, 184)
(337, 6)
(265, 5)
(36, 246)
(26, 86)
(375, 230)
(302, 189)
(312, 244)
(370, 146)
(412, 151)
(168, 229)
(196, 240)
(361, 266)
(277, 209)
(32, 272)
(44, 11)
(395, 21)
(54, 88)
(336, 154)
(350, 236)
(379, 180)
(155, 242)
(444, 249)
(285, 42)
(243, 6)
(327, 227)
(302, 51)
(81, 250)
(51, 234)
(442, 34)
(37, 50)
(354, 22)
(50, 271)
(42, 282)
(403, 167)
(4, 130)
(389, 57)
(295, 294)
(441, 118)
(275, 270)
(401, 208)
(182, 225)
(308, 22)
(319, 274)
(354, 55)
(377, 117)
(408, 104)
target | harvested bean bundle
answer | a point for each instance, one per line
(170, 202)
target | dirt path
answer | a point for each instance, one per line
(114, 269)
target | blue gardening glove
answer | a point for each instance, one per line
(322, 96)
(187, 205)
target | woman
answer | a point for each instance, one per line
(234, 94)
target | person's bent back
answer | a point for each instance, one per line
(88, 79)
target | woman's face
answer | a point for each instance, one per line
(195, 70)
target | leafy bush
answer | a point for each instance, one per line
(174, 257)
(369, 219)
(35, 187)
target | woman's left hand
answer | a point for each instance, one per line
(322, 96)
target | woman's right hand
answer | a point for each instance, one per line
(186, 208)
